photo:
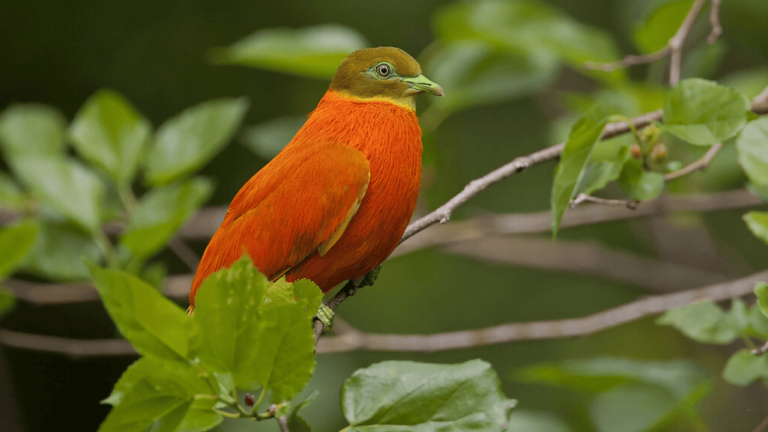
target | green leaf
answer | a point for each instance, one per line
(598, 375)
(11, 196)
(759, 191)
(761, 291)
(627, 389)
(604, 166)
(305, 293)
(758, 223)
(7, 301)
(177, 379)
(703, 321)
(529, 26)
(161, 212)
(658, 28)
(286, 352)
(296, 423)
(188, 141)
(640, 184)
(633, 407)
(152, 323)
(752, 145)
(268, 138)
(228, 310)
(31, 129)
(704, 113)
(15, 243)
(535, 421)
(148, 407)
(311, 51)
(65, 185)
(272, 347)
(108, 132)
(59, 251)
(403, 395)
(585, 133)
(744, 367)
(476, 73)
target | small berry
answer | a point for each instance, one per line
(635, 151)
(249, 399)
(659, 153)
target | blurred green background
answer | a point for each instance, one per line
(157, 55)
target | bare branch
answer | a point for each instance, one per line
(66, 346)
(674, 47)
(580, 198)
(283, 423)
(762, 98)
(538, 329)
(630, 60)
(761, 350)
(541, 222)
(714, 22)
(761, 426)
(589, 258)
(443, 213)
(355, 340)
(184, 252)
(678, 40)
(177, 286)
(699, 165)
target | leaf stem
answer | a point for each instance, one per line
(110, 257)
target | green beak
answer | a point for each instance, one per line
(424, 84)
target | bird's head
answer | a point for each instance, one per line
(383, 73)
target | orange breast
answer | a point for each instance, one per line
(389, 137)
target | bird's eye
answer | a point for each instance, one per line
(384, 70)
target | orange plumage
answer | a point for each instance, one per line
(334, 203)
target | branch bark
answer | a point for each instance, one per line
(536, 330)
(355, 340)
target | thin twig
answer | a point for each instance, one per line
(762, 98)
(283, 423)
(580, 198)
(355, 340)
(761, 350)
(443, 213)
(184, 252)
(699, 165)
(630, 60)
(674, 47)
(678, 40)
(539, 329)
(587, 258)
(714, 22)
(761, 426)
(177, 286)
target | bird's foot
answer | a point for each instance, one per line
(370, 278)
(325, 315)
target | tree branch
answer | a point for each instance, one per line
(177, 286)
(355, 340)
(589, 258)
(714, 22)
(443, 213)
(674, 48)
(360, 341)
(580, 198)
(678, 40)
(699, 165)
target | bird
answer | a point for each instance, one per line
(334, 203)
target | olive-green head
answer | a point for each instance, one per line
(384, 72)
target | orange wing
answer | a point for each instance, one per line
(300, 203)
